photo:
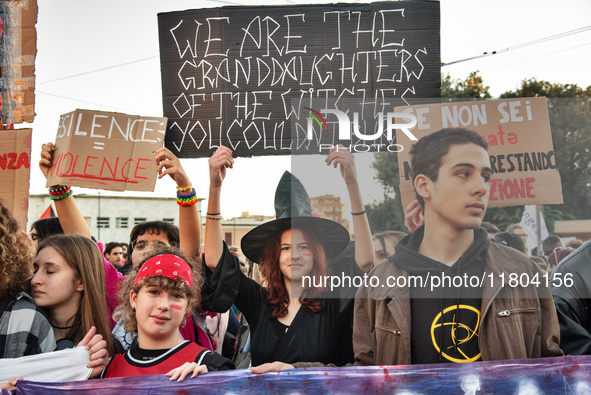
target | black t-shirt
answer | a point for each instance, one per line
(445, 301)
(445, 330)
(280, 328)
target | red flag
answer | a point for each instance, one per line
(47, 213)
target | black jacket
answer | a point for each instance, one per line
(571, 290)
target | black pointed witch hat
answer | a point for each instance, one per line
(293, 210)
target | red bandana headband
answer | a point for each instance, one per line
(166, 265)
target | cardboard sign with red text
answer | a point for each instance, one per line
(15, 165)
(520, 146)
(106, 150)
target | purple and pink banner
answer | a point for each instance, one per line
(560, 375)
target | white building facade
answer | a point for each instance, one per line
(111, 218)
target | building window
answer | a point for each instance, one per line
(137, 221)
(121, 222)
(102, 222)
(169, 220)
(228, 237)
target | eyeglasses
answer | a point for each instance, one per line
(499, 240)
(141, 245)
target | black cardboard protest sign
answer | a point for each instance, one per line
(239, 76)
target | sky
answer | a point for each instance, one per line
(104, 55)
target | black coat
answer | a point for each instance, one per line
(324, 337)
(573, 301)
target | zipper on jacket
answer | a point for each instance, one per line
(395, 332)
(507, 313)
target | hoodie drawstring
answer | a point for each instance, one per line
(457, 320)
(441, 328)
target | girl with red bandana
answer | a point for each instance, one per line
(156, 299)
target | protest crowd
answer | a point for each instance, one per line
(160, 303)
(301, 292)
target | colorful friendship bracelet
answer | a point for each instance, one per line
(186, 200)
(214, 218)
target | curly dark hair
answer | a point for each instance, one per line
(16, 256)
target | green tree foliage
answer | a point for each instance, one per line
(387, 214)
(470, 88)
(570, 122)
(535, 88)
(502, 217)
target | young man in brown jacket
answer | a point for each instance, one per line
(451, 294)
(448, 294)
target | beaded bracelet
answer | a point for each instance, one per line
(187, 200)
(214, 218)
(60, 196)
(185, 189)
(60, 193)
(58, 190)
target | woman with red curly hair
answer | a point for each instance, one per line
(294, 317)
